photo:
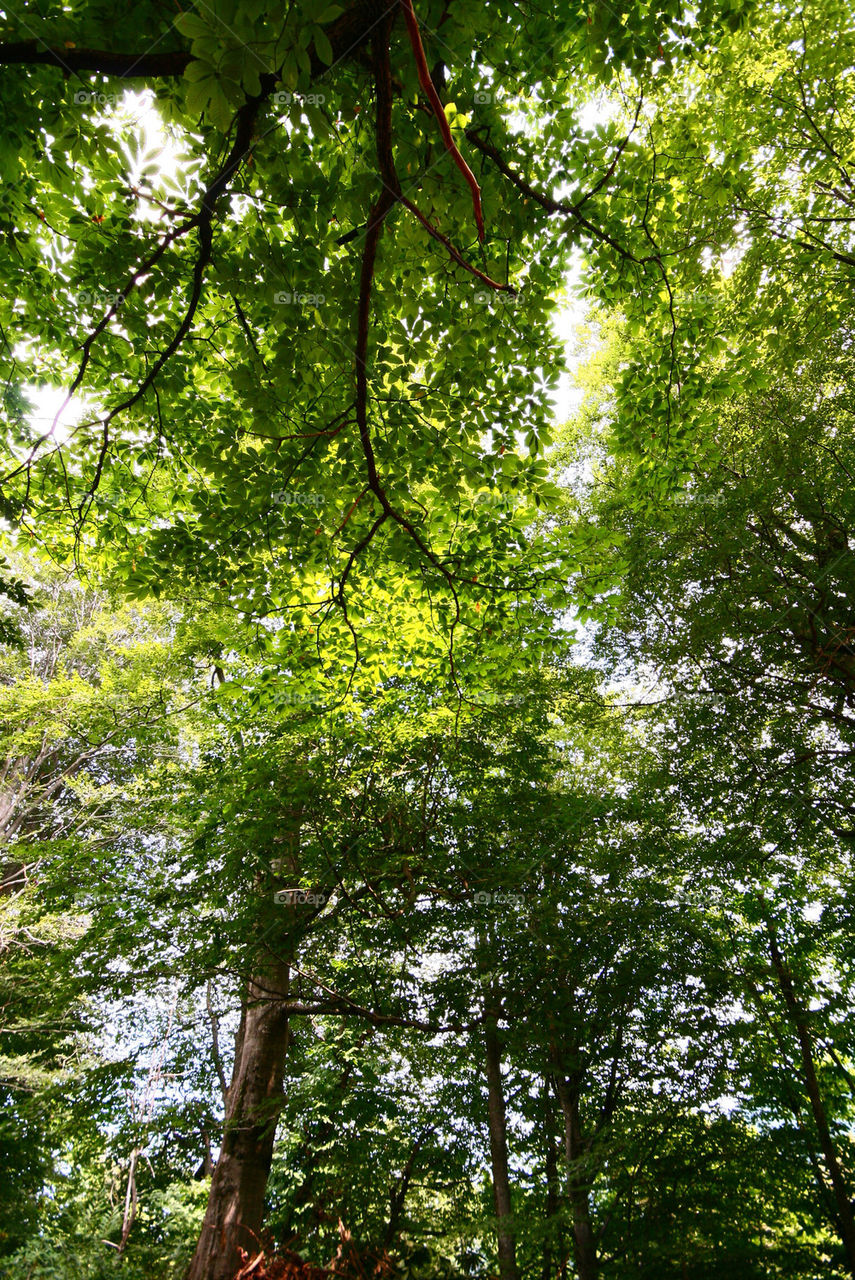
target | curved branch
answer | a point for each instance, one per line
(452, 252)
(388, 198)
(548, 202)
(204, 220)
(438, 110)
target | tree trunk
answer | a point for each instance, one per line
(553, 1244)
(253, 1101)
(796, 1017)
(578, 1182)
(236, 1201)
(498, 1139)
(129, 1216)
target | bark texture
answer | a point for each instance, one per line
(554, 1258)
(578, 1181)
(236, 1202)
(505, 1241)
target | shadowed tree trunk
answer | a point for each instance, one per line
(254, 1098)
(236, 1202)
(845, 1220)
(554, 1260)
(578, 1178)
(506, 1244)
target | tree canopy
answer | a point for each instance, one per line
(425, 800)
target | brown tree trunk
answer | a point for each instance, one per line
(129, 1216)
(236, 1200)
(253, 1100)
(497, 1121)
(553, 1244)
(797, 1019)
(578, 1182)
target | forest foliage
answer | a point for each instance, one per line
(426, 813)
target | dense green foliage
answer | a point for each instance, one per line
(493, 771)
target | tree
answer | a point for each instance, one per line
(736, 599)
(87, 704)
(342, 793)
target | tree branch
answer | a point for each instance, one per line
(433, 98)
(142, 66)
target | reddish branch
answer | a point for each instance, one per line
(346, 34)
(433, 97)
(388, 198)
(454, 253)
